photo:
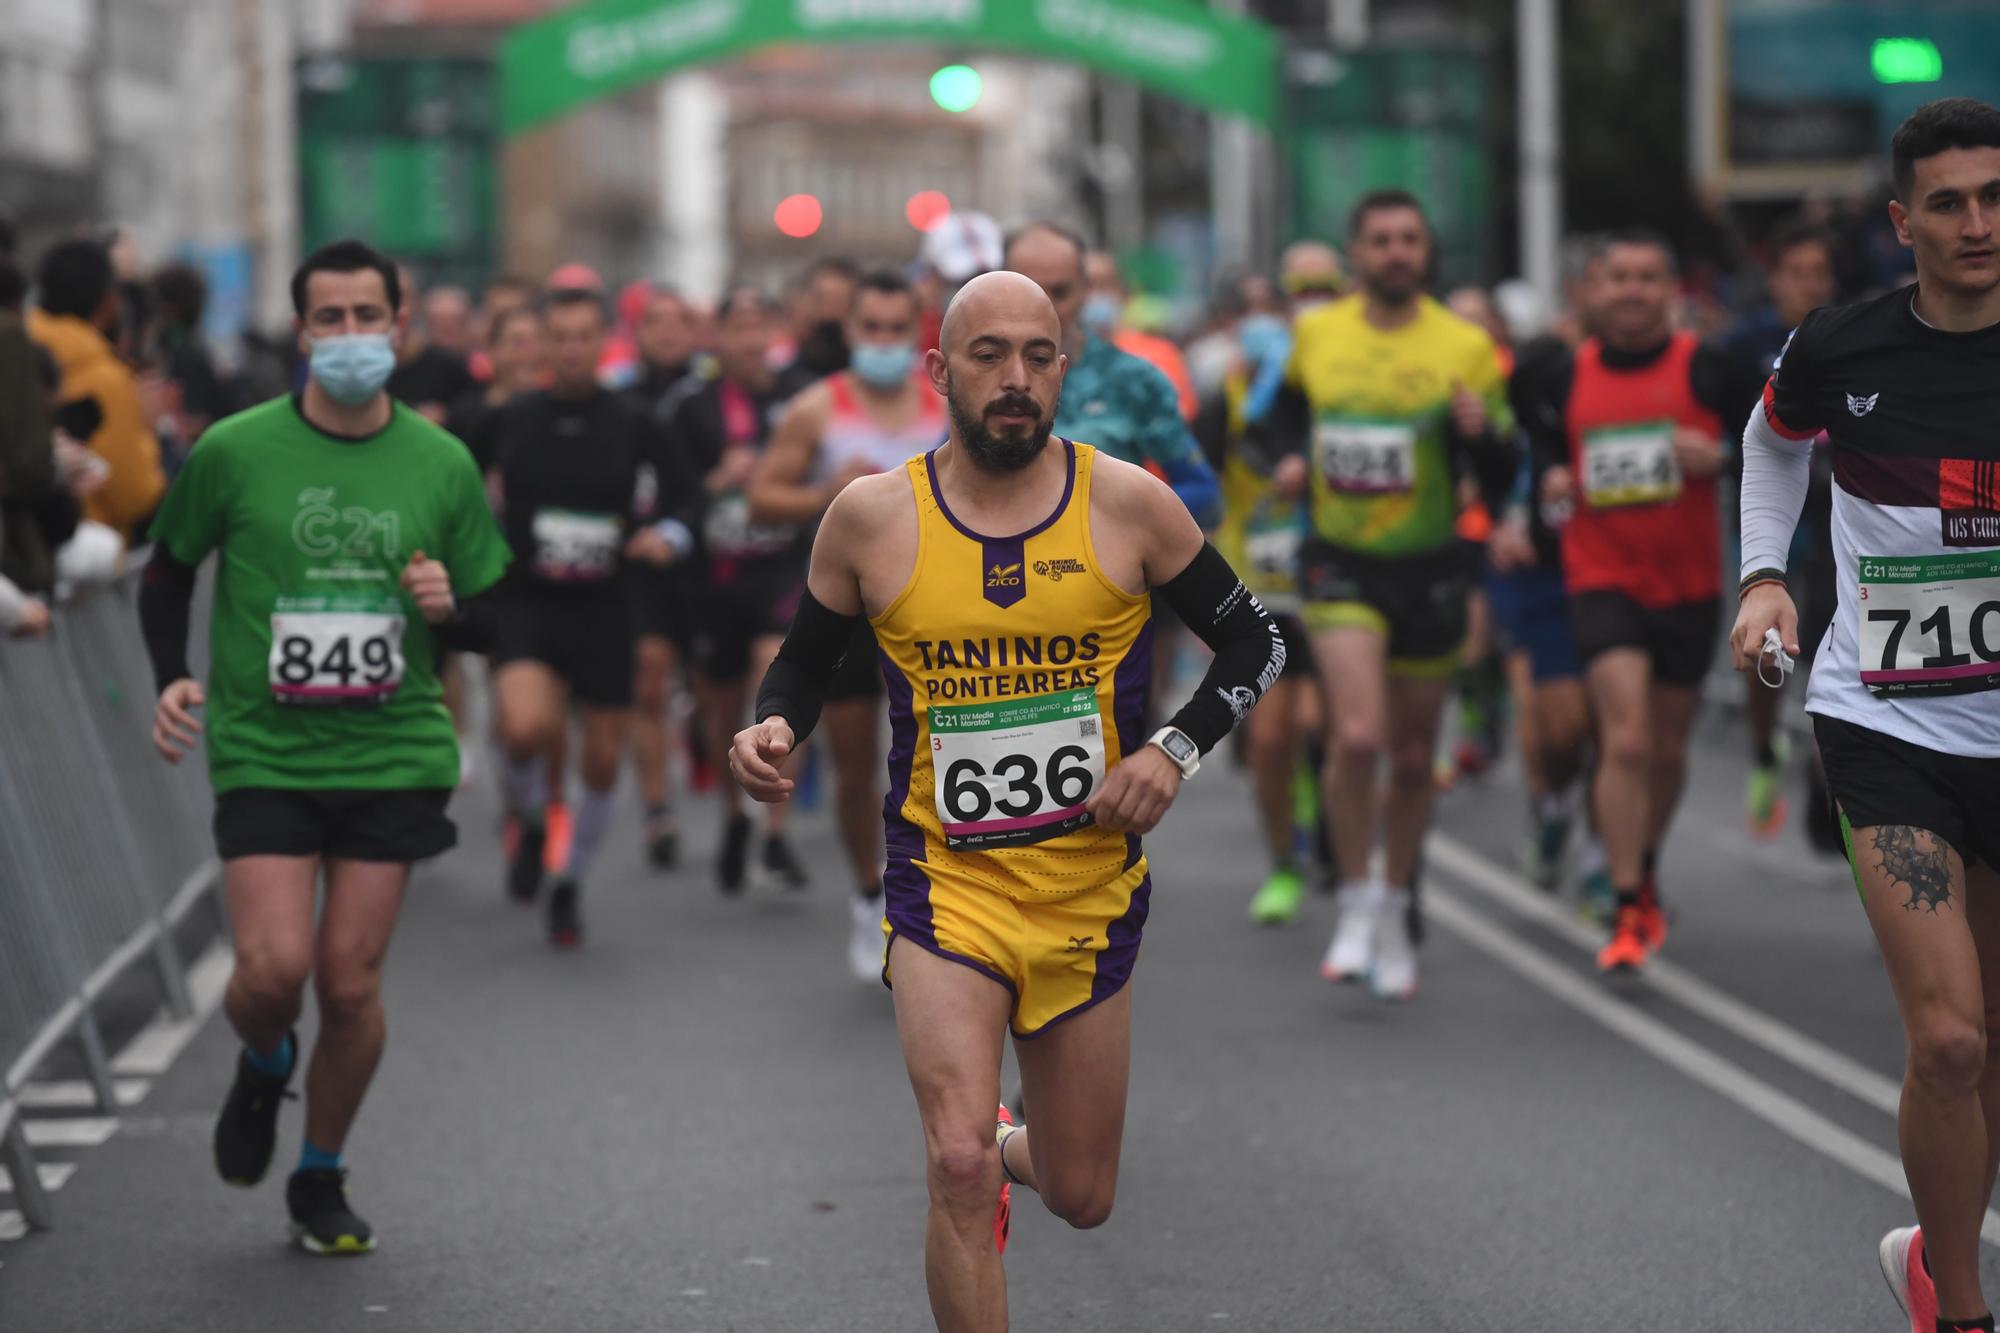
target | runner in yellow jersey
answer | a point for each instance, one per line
(1260, 535)
(1021, 777)
(1389, 400)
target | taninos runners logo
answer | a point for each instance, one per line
(1053, 570)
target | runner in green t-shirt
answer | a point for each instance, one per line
(353, 541)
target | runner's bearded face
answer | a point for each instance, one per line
(1953, 220)
(1634, 302)
(1391, 254)
(1003, 401)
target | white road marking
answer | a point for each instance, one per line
(13, 1226)
(54, 1175)
(76, 1095)
(1785, 1113)
(157, 1044)
(84, 1131)
(1753, 1025)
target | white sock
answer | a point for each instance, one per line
(593, 818)
(528, 785)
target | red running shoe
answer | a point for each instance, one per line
(1003, 1216)
(1627, 950)
(1902, 1256)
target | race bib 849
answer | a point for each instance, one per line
(336, 657)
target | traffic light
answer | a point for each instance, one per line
(956, 87)
(1906, 60)
(798, 216)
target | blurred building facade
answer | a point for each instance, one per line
(170, 120)
(680, 180)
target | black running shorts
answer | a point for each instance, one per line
(1681, 640)
(1418, 602)
(587, 641)
(756, 601)
(1875, 779)
(400, 826)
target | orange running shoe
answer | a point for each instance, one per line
(555, 851)
(1652, 917)
(1003, 1216)
(1627, 950)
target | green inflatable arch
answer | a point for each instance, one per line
(1177, 47)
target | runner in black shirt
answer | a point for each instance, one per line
(663, 599)
(580, 475)
(1905, 389)
(752, 574)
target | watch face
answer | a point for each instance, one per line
(1180, 747)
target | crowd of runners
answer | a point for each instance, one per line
(959, 555)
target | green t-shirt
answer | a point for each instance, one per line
(322, 671)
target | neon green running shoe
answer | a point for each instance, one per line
(1764, 804)
(1278, 901)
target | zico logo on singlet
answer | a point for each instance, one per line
(1004, 576)
(1017, 772)
(1912, 605)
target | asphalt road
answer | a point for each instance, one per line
(700, 1122)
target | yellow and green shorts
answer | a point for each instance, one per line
(1056, 956)
(1417, 602)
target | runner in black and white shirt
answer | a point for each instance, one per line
(1907, 387)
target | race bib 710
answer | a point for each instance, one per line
(1929, 624)
(1016, 771)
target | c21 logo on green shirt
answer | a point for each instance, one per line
(324, 530)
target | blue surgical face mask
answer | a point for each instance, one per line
(883, 365)
(1263, 337)
(352, 367)
(1101, 313)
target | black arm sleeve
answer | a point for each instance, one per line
(474, 626)
(1539, 395)
(1495, 461)
(795, 686)
(1249, 650)
(1286, 428)
(166, 594)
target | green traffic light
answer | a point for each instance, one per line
(1906, 60)
(956, 87)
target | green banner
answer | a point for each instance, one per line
(1176, 47)
(401, 151)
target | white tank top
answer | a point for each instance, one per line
(852, 435)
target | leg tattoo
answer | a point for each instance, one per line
(1917, 859)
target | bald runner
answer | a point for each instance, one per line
(1021, 779)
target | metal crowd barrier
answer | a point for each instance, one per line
(104, 848)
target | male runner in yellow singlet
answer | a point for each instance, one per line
(1020, 774)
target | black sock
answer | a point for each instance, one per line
(1983, 1324)
(1767, 755)
(1627, 898)
(869, 891)
(1650, 861)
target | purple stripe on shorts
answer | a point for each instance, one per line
(906, 887)
(1130, 685)
(1121, 944)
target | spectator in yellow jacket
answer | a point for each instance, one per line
(97, 398)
